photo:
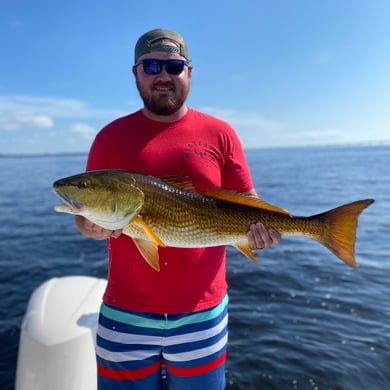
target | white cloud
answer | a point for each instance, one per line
(322, 134)
(253, 129)
(15, 121)
(83, 130)
(25, 112)
(244, 120)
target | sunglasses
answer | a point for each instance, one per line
(153, 67)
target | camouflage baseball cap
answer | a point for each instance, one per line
(148, 43)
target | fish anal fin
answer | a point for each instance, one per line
(181, 182)
(246, 250)
(240, 198)
(149, 251)
(138, 220)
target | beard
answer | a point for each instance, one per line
(163, 103)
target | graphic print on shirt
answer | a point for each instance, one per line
(199, 148)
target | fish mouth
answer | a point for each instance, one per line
(70, 204)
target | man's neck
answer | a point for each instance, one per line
(166, 118)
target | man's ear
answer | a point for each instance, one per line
(134, 70)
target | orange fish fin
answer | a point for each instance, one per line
(138, 220)
(182, 182)
(246, 250)
(149, 251)
(240, 198)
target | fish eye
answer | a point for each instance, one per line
(82, 185)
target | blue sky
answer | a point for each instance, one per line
(281, 72)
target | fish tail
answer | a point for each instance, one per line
(339, 229)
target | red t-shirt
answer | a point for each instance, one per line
(201, 147)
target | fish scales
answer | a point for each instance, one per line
(191, 213)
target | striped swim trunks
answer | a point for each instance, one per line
(133, 349)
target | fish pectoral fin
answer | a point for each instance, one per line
(242, 199)
(138, 220)
(147, 247)
(149, 251)
(246, 250)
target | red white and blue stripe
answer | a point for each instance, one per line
(133, 347)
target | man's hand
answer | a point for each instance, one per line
(89, 229)
(259, 237)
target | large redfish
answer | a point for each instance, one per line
(169, 212)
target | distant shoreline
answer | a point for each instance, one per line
(38, 155)
(384, 143)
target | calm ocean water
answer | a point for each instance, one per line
(300, 319)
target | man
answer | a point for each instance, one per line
(175, 318)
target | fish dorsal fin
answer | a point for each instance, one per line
(149, 251)
(138, 220)
(240, 198)
(182, 182)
